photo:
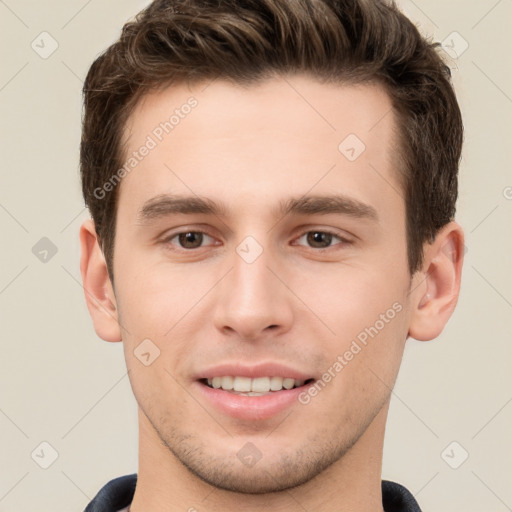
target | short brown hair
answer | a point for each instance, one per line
(345, 41)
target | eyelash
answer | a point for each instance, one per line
(343, 240)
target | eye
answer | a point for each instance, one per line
(317, 239)
(188, 239)
(321, 239)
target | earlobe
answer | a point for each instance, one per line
(99, 293)
(435, 290)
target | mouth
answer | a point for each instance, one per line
(259, 386)
(252, 393)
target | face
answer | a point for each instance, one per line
(259, 247)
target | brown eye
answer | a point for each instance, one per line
(190, 239)
(319, 239)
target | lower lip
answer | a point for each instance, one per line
(251, 407)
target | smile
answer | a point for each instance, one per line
(259, 386)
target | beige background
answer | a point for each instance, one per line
(60, 384)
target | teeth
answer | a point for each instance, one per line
(288, 383)
(261, 385)
(253, 387)
(242, 384)
(276, 383)
(227, 383)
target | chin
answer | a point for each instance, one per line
(255, 480)
(265, 473)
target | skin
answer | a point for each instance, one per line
(298, 303)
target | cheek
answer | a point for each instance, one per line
(367, 312)
(153, 299)
(349, 299)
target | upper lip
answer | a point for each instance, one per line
(253, 371)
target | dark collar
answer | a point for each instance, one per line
(118, 494)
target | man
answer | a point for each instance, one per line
(272, 187)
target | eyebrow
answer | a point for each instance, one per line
(166, 204)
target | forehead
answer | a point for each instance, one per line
(283, 135)
(275, 103)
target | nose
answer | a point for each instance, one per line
(253, 301)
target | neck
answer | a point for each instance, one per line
(351, 484)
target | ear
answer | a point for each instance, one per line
(99, 292)
(435, 289)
